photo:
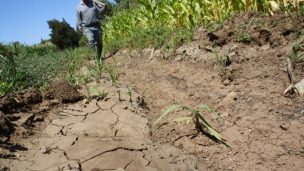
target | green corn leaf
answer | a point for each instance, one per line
(209, 109)
(212, 131)
(205, 106)
(179, 120)
(167, 111)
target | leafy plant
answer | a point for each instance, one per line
(221, 61)
(5, 87)
(97, 93)
(7, 70)
(130, 94)
(244, 37)
(295, 55)
(113, 75)
(196, 115)
(149, 23)
(24, 66)
(119, 95)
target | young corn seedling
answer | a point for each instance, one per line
(119, 95)
(196, 115)
(130, 94)
(113, 75)
(97, 93)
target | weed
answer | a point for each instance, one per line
(221, 62)
(295, 56)
(95, 71)
(130, 94)
(5, 87)
(119, 95)
(244, 37)
(198, 119)
(35, 66)
(113, 74)
(96, 93)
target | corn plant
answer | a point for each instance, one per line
(196, 115)
(122, 28)
(97, 93)
(130, 94)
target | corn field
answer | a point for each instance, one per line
(177, 14)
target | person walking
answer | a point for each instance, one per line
(88, 14)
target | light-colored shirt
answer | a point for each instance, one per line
(88, 15)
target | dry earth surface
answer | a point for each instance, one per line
(262, 125)
(110, 133)
(112, 128)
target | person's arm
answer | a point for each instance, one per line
(79, 21)
(101, 7)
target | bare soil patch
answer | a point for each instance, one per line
(109, 133)
(263, 126)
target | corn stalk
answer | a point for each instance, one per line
(196, 115)
(177, 14)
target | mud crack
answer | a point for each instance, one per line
(116, 122)
(113, 150)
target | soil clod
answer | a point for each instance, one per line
(6, 127)
(63, 91)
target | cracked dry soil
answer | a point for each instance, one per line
(109, 134)
(264, 127)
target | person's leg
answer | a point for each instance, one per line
(90, 35)
(98, 39)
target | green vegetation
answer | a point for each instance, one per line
(97, 93)
(198, 119)
(160, 24)
(34, 66)
(296, 55)
(167, 23)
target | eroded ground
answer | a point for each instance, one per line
(107, 134)
(113, 129)
(262, 125)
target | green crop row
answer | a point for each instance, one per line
(163, 18)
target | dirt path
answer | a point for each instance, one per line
(109, 134)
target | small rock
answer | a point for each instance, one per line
(232, 96)
(178, 58)
(70, 166)
(86, 101)
(226, 82)
(45, 150)
(284, 126)
(209, 48)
